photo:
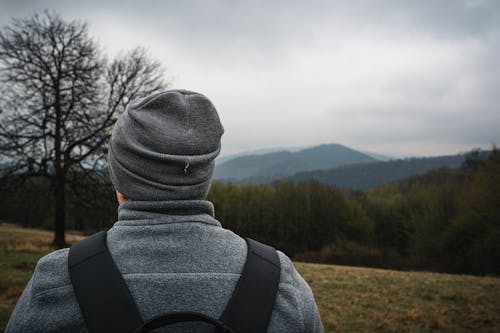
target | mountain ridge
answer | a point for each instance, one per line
(286, 163)
(371, 175)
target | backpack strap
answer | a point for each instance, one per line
(103, 296)
(252, 303)
(107, 305)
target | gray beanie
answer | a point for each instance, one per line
(163, 147)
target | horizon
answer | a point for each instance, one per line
(266, 150)
(398, 79)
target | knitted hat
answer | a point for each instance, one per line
(163, 147)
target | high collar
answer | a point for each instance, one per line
(161, 212)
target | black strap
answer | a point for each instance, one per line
(100, 289)
(251, 306)
(108, 306)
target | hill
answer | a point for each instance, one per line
(224, 158)
(370, 175)
(349, 299)
(285, 163)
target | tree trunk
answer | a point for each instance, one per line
(60, 213)
(60, 174)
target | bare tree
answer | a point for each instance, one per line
(59, 97)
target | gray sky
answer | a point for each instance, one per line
(393, 77)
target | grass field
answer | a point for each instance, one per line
(350, 299)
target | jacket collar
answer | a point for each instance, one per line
(161, 212)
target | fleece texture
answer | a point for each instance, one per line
(174, 256)
(163, 147)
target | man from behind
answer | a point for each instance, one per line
(173, 254)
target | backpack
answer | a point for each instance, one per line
(107, 305)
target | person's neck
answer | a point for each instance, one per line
(133, 209)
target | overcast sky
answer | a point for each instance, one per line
(394, 77)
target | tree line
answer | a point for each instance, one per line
(444, 220)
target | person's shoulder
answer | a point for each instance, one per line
(291, 278)
(51, 272)
(290, 275)
(287, 269)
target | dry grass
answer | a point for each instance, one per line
(16, 239)
(20, 249)
(350, 299)
(353, 299)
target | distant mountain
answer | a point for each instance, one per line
(286, 163)
(224, 158)
(369, 175)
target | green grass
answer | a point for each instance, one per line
(349, 299)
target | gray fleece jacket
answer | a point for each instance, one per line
(174, 256)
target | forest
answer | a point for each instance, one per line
(446, 220)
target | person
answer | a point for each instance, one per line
(172, 252)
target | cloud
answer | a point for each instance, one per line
(380, 74)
